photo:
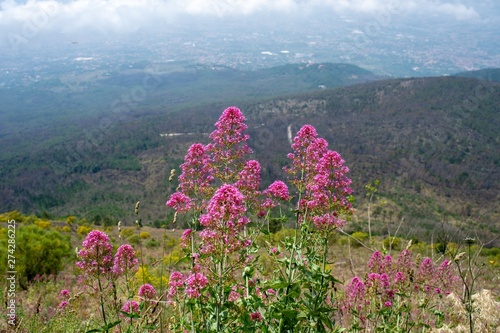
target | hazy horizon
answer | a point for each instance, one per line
(452, 35)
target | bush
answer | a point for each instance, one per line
(152, 243)
(145, 235)
(134, 239)
(42, 224)
(38, 252)
(83, 230)
(66, 229)
(358, 236)
(127, 232)
(13, 215)
(392, 243)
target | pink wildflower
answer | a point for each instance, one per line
(328, 221)
(234, 295)
(400, 278)
(64, 294)
(376, 263)
(447, 277)
(125, 259)
(228, 145)
(180, 202)
(426, 274)
(176, 279)
(63, 305)
(97, 254)
(196, 176)
(130, 307)
(307, 150)
(355, 294)
(279, 190)
(186, 238)
(256, 316)
(194, 284)
(223, 221)
(147, 291)
(249, 182)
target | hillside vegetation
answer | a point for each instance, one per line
(432, 143)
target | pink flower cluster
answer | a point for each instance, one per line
(192, 285)
(64, 294)
(228, 145)
(180, 202)
(97, 253)
(307, 150)
(130, 307)
(147, 291)
(125, 259)
(197, 173)
(222, 160)
(276, 192)
(96, 257)
(320, 176)
(186, 238)
(388, 278)
(249, 182)
(224, 221)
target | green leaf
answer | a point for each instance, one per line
(290, 314)
(111, 325)
(132, 315)
(264, 231)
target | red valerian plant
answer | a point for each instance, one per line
(238, 279)
(221, 189)
(98, 262)
(398, 295)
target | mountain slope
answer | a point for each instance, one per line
(433, 143)
(489, 74)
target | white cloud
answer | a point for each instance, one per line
(30, 18)
(459, 11)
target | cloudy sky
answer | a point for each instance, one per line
(23, 17)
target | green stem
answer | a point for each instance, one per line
(101, 298)
(469, 296)
(323, 270)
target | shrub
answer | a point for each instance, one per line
(358, 236)
(144, 235)
(134, 239)
(127, 232)
(392, 243)
(66, 229)
(152, 243)
(173, 257)
(71, 220)
(83, 230)
(170, 242)
(38, 251)
(42, 224)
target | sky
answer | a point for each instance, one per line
(25, 19)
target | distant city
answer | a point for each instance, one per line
(394, 49)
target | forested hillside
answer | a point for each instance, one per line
(432, 142)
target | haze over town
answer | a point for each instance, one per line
(395, 38)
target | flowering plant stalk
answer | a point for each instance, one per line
(98, 263)
(226, 289)
(398, 295)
